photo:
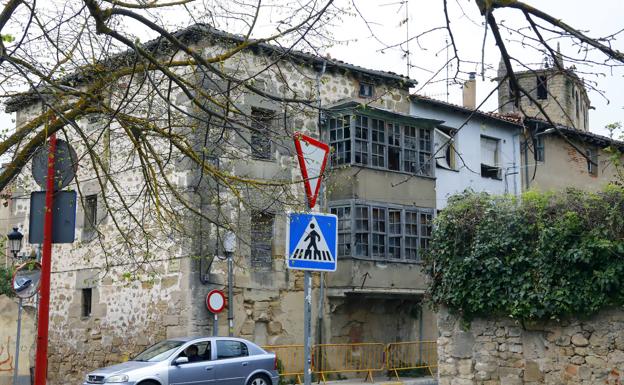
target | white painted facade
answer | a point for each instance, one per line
(467, 173)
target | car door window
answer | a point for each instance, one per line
(197, 352)
(231, 349)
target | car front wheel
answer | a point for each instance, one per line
(259, 379)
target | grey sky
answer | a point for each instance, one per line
(357, 45)
(599, 17)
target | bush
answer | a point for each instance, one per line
(541, 256)
(6, 276)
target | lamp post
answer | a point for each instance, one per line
(15, 245)
(229, 245)
(15, 241)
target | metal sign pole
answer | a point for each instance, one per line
(307, 321)
(17, 340)
(41, 359)
(230, 295)
(215, 325)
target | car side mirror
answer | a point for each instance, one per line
(180, 360)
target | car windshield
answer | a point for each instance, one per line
(160, 351)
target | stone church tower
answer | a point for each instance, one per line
(559, 90)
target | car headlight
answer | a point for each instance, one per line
(117, 378)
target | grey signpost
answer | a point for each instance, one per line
(311, 243)
(25, 284)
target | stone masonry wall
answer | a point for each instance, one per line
(503, 352)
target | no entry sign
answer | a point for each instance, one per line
(215, 301)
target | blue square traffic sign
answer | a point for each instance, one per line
(311, 242)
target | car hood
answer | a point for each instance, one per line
(122, 368)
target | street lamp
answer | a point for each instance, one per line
(229, 245)
(15, 241)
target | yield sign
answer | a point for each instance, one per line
(312, 156)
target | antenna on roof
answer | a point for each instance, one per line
(406, 51)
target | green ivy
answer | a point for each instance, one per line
(540, 256)
(6, 277)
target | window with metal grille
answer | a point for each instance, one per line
(261, 240)
(261, 121)
(90, 205)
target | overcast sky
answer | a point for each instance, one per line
(356, 44)
(598, 18)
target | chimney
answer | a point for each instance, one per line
(470, 91)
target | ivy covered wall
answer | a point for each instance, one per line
(540, 256)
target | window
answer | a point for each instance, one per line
(90, 215)
(87, 295)
(490, 148)
(261, 133)
(542, 87)
(383, 233)
(381, 144)
(261, 236)
(411, 235)
(424, 153)
(592, 161)
(197, 352)
(445, 157)
(361, 231)
(379, 232)
(231, 349)
(539, 148)
(394, 234)
(340, 138)
(366, 90)
(361, 140)
(378, 147)
(410, 150)
(344, 229)
(394, 146)
(426, 228)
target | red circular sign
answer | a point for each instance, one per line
(215, 301)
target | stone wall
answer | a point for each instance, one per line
(504, 352)
(560, 105)
(8, 329)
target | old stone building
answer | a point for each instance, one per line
(106, 304)
(558, 91)
(558, 150)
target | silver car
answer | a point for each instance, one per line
(197, 361)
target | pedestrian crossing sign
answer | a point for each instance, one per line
(312, 241)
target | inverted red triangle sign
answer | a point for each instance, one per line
(312, 156)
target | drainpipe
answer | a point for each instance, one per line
(323, 205)
(515, 166)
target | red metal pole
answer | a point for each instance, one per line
(41, 359)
